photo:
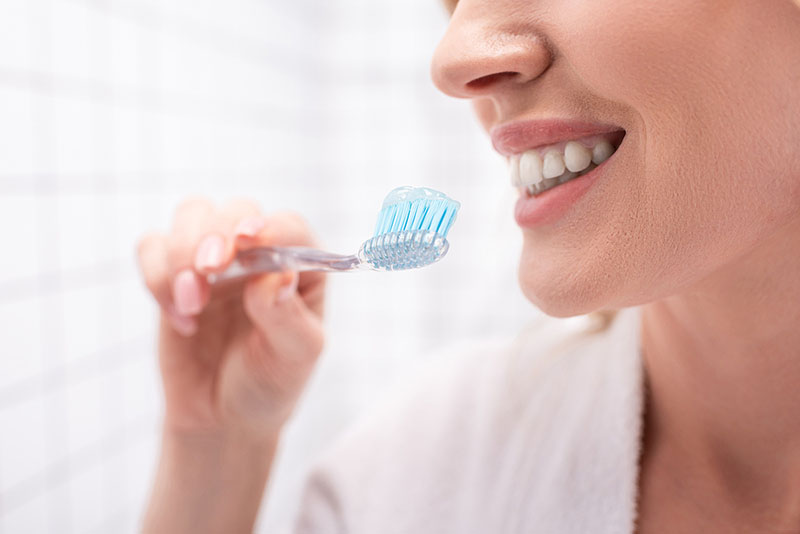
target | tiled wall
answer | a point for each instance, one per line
(111, 111)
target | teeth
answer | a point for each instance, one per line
(561, 162)
(576, 156)
(601, 152)
(513, 163)
(530, 168)
(553, 182)
(553, 164)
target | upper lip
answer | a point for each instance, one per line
(518, 136)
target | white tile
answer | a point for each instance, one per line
(30, 517)
(142, 394)
(128, 140)
(39, 35)
(59, 507)
(47, 232)
(137, 313)
(17, 136)
(73, 40)
(20, 337)
(79, 220)
(131, 224)
(142, 462)
(20, 218)
(118, 492)
(125, 48)
(81, 316)
(87, 419)
(23, 449)
(89, 497)
(75, 135)
(15, 34)
(114, 328)
(188, 68)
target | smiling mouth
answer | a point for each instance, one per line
(539, 169)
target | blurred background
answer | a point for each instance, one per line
(111, 112)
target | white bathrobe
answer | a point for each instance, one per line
(538, 437)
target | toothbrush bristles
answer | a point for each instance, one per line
(411, 209)
(411, 230)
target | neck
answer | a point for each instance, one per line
(723, 369)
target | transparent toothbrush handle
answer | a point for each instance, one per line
(272, 259)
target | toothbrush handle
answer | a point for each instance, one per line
(271, 259)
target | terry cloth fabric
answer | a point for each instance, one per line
(541, 435)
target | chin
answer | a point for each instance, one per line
(566, 294)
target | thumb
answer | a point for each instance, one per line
(289, 328)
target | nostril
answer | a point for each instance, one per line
(490, 79)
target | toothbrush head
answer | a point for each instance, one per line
(411, 230)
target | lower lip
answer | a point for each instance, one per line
(547, 207)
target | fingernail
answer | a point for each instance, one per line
(185, 326)
(186, 293)
(249, 227)
(210, 253)
(285, 292)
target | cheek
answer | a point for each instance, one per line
(689, 195)
(713, 86)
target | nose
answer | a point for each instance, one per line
(484, 51)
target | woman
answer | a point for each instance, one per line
(682, 416)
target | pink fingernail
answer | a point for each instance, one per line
(210, 253)
(285, 292)
(186, 293)
(185, 326)
(249, 227)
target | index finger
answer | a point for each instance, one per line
(285, 229)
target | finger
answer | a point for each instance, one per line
(218, 248)
(190, 291)
(248, 229)
(193, 219)
(278, 228)
(152, 253)
(284, 229)
(283, 321)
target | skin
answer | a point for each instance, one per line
(233, 362)
(698, 223)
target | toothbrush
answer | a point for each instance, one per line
(411, 232)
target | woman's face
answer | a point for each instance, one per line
(708, 95)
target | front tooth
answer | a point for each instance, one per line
(513, 163)
(576, 156)
(530, 168)
(553, 164)
(601, 152)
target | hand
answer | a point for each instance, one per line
(234, 357)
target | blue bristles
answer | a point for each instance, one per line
(411, 230)
(416, 208)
